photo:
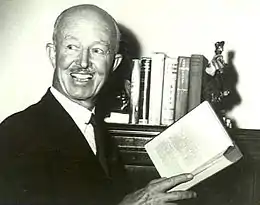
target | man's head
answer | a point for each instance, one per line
(84, 52)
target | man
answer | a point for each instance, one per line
(53, 152)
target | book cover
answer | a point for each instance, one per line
(156, 88)
(197, 143)
(181, 102)
(145, 77)
(198, 64)
(169, 88)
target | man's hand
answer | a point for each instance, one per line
(156, 192)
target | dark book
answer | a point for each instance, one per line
(145, 77)
(198, 64)
(181, 102)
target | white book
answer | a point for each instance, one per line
(197, 143)
(135, 92)
(156, 86)
(116, 117)
(169, 88)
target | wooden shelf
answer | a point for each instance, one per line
(133, 137)
(238, 184)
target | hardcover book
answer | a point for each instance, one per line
(198, 64)
(156, 88)
(145, 78)
(197, 143)
(181, 103)
(169, 88)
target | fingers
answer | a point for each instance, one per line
(168, 183)
(154, 181)
(179, 195)
(156, 191)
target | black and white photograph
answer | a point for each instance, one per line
(109, 102)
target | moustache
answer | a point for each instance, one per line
(79, 69)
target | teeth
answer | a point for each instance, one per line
(81, 77)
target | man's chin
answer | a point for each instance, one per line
(81, 96)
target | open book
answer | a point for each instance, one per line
(197, 143)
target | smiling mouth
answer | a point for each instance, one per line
(82, 77)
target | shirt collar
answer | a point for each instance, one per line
(79, 114)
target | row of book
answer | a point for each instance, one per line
(163, 88)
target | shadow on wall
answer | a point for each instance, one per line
(219, 87)
(130, 49)
(114, 95)
(230, 82)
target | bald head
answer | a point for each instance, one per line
(85, 14)
(84, 52)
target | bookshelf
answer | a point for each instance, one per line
(167, 101)
(163, 88)
(238, 184)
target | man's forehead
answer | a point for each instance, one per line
(85, 17)
(86, 32)
(86, 24)
(104, 41)
(77, 26)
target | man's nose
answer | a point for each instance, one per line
(84, 58)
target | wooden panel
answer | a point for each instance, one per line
(238, 184)
(248, 141)
(134, 157)
(232, 186)
(140, 176)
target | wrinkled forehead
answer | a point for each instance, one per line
(86, 25)
(85, 31)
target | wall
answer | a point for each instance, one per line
(177, 27)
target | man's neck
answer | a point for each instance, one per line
(88, 104)
(76, 110)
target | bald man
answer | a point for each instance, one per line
(55, 151)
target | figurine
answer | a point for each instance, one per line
(216, 91)
(217, 63)
(213, 89)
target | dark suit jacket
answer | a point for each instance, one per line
(45, 159)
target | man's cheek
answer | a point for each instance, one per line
(64, 62)
(103, 68)
(103, 75)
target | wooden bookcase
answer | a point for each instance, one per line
(238, 184)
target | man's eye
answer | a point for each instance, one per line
(72, 47)
(98, 51)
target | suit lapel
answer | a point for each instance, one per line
(73, 141)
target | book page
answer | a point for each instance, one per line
(215, 166)
(188, 144)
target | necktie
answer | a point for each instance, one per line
(99, 144)
(90, 134)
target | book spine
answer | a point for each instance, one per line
(157, 74)
(181, 103)
(145, 77)
(169, 88)
(197, 66)
(134, 92)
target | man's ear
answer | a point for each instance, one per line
(50, 48)
(117, 61)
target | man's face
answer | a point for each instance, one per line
(84, 57)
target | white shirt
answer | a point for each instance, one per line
(80, 115)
